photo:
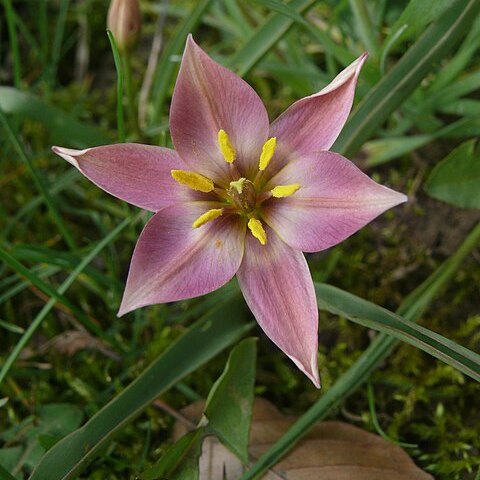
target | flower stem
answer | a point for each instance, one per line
(132, 115)
(120, 77)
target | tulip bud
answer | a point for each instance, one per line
(124, 21)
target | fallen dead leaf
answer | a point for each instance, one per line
(70, 342)
(331, 451)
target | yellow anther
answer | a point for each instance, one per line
(207, 216)
(228, 151)
(268, 150)
(257, 230)
(285, 190)
(193, 180)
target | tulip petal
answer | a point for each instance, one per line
(138, 174)
(313, 123)
(208, 98)
(334, 201)
(278, 288)
(174, 261)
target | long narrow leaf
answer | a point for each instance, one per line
(265, 37)
(370, 315)
(38, 180)
(63, 127)
(407, 74)
(61, 290)
(205, 339)
(46, 289)
(412, 308)
(166, 67)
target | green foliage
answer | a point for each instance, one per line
(66, 246)
(370, 315)
(36, 434)
(227, 415)
(71, 456)
(456, 178)
(180, 460)
(228, 409)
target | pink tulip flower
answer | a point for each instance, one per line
(239, 195)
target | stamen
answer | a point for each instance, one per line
(268, 150)
(193, 180)
(257, 230)
(228, 151)
(285, 190)
(207, 216)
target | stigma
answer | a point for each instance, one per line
(243, 195)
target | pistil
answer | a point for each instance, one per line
(242, 192)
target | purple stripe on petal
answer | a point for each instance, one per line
(278, 288)
(209, 97)
(138, 174)
(313, 123)
(334, 201)
(173, 261)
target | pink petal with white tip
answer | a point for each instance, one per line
(173, 261)
(334, 201)
(138, 174)
(278, 288)
(313, 123)
(209, 97)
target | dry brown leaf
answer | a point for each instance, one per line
(70, 342)
(331, 451)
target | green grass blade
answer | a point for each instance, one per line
(61, 290)
(205, 339)
(39, 182)
(369, 315)
(5, 475)
(166, 67)
(283, 9)
(47, 289)
(120, 76)
(64, 128)
(11, 327)
(12, 33)
(61, 183)
(65, 260)
(265, 37)
(58, 39)
(180, 461)
(376, 423)
(366, 30)
(407, 74)
(412, 308)
(459, 62)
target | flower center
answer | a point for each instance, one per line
(243, 195)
